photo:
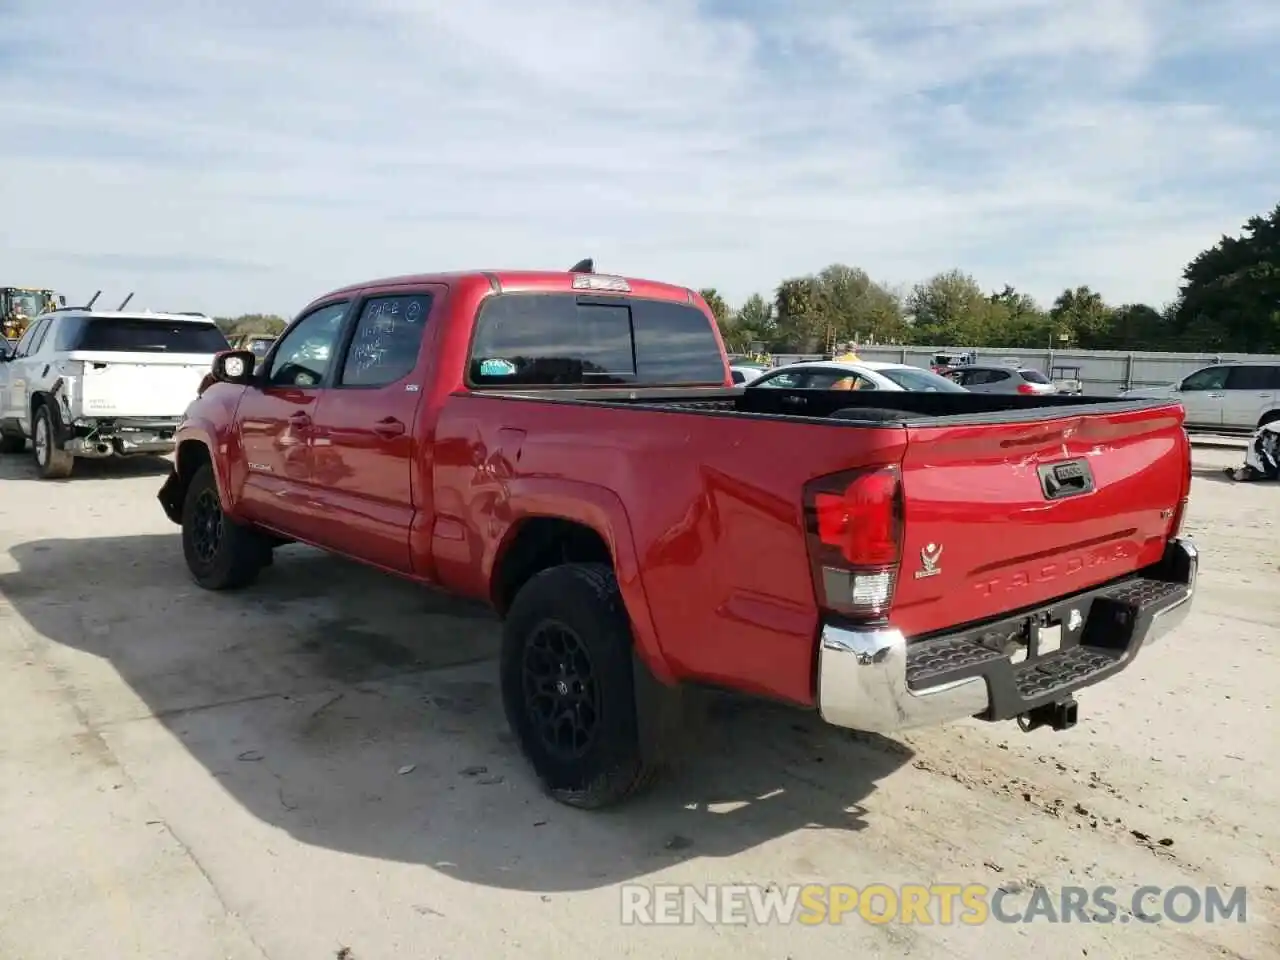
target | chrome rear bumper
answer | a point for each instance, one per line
(875, 680)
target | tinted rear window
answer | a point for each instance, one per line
(1253, 378)
(557, 339)
(140, 335)
(1034, 376)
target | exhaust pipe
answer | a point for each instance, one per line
(1060, 715)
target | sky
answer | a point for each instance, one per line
(237, 157)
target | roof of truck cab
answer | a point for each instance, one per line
(521, 280)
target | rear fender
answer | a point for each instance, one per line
(54, 399)
(601, 510)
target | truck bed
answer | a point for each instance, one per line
(953, 408)
(714, 498)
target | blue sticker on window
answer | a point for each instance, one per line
(497, 368)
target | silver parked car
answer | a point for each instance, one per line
(994, 379)
(1228, 397)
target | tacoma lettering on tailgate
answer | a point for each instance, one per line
(1057, 569)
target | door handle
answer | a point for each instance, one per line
(388, 427)
(1214, 396)
(300, 420)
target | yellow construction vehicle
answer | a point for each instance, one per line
(20, 305)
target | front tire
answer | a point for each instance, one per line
(52, 462)
(220, 553)
(568, 687)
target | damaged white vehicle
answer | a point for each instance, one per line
(95, 384)
(1262, 458)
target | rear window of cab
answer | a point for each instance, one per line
(571, 340)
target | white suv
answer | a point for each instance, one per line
(1226, 397)
(94, 383)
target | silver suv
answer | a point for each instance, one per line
(1230, 397)
(991, 379)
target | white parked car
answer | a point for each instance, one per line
(1227, 397)
(95, 383)
(854, 375)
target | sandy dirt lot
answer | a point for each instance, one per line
(319, 768)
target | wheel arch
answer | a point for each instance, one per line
(555, 522)
(191, 453)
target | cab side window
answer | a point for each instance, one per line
(1210, 378)
(385, 345)
(304, 353)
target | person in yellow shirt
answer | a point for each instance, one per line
(849, 355)
(848, 383)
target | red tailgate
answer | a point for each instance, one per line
(994, 521)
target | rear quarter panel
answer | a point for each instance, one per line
(702, 511)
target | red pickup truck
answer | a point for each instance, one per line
(569, 447)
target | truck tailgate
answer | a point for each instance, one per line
(139, 385)
(1002, 516)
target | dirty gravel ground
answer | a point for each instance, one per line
(321, 765)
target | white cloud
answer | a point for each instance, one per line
(238, 157)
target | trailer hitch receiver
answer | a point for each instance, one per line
(1060, 715)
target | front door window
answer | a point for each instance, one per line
(304, 354)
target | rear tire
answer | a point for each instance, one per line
(1269, 417)
(220, 553)
(52, 462)
(569, 687)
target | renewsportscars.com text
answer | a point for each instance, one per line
(927, 904)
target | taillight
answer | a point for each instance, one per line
(854, 529)
(1026, 388)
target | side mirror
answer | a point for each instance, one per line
(62, 301)
(234, 366)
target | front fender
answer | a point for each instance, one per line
(203, 433)
(602, 510)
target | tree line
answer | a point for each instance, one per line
(248, 323)
(1228, 301)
